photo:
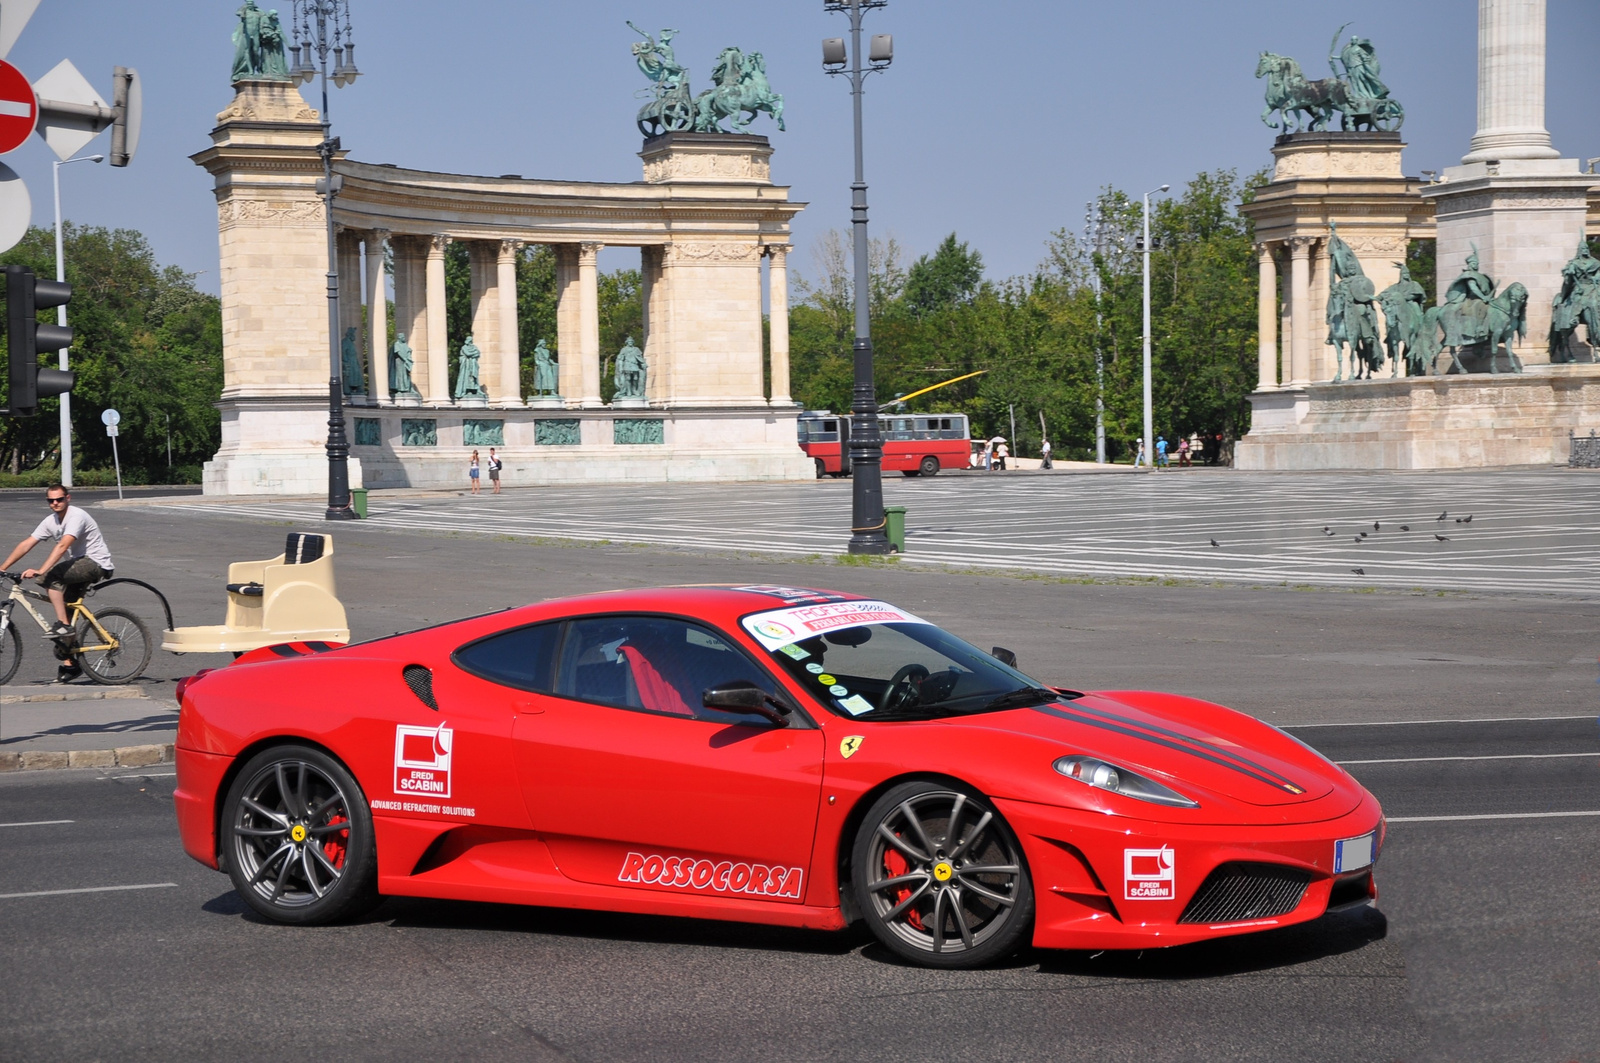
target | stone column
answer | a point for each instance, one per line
(653, 292)
(411, 302)
(377, 317)
(569, 365)
(510, 390)
(1510, 83)
(436, 387)
(778, 321)
(483, 256)
(589, 323)
(1300, 294)
(1267, 318)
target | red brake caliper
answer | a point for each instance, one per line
(896, 865)
(333, 847)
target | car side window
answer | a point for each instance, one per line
(523, 657)
(653, 664)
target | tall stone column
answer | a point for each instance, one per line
(569, 366)
(1300, 294)
(436, 387)
(347, 244)
(377, 317)
(589, 322)
(1267, 318)
(509, 392)
(1511, 35)
(778, 321)
(657, 342)
(411, 302)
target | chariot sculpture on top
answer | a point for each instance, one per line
(1358, 96)
(741, 91)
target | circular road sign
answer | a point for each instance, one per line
(110, 417)
(19, 108)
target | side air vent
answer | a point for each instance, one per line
(420, 680)
(1234, 893)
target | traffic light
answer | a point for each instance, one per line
(26, 338)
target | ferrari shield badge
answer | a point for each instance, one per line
(848, 747)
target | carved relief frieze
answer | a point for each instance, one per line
(712, 254)
(291, 213)
(691, 167)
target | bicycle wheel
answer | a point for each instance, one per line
(10, 653)
(121, 658)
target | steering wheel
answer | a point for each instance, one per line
(903, 687)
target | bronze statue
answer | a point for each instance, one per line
(1350, 317)
(1578, 303)
(545, 377)
(354, 379)
(630, 371)
(1404, 310)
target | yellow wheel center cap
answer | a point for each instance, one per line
(942, 871)
(298, 833)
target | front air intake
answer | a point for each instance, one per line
(420, 680)
(1236, 893)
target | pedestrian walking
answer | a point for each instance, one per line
(472, 471)
(1161, 451)
(1001, 453)
(988, 456)
(1183, 452)
(1138, 455)
(1044, 455)
(494, 470)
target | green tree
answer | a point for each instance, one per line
(146, 342)
(950, 277)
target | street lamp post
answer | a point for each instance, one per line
(61, 319)
(320, 27)
(1149, 434)
(866, 444)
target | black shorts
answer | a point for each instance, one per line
(72, 576)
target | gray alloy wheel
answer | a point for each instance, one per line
(297, 837)
(940, 878)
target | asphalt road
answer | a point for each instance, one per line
(1486, 947)
(1483, 947)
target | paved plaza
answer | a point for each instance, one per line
(1531, 531)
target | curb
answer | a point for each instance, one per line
(121, 757)
(108, 694)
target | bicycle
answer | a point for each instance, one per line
(112, 646)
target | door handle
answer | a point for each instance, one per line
(529, 708)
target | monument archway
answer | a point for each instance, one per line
(704, 217)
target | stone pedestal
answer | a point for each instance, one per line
(1446, 422)
(547, 402)
(629, 404)
(473, 402)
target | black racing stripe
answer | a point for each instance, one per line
(1132, 733)
(286, 650)
(1218, 750)
(319, 647)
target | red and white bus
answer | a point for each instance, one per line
(917, 444)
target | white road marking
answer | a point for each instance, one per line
(1408, 723)
(1500, 756)
(1492, 815)
(88, 889)
(37, 823)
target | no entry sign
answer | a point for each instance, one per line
(19, 108)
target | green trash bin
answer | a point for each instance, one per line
(894, 519)
(358, 501)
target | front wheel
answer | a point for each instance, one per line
(10, 652)
(119, 658)
(940, 877)
(297, 836)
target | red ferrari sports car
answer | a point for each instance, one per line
(760, 753)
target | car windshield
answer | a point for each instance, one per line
(869, 659)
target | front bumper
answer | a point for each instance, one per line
(1107, 882)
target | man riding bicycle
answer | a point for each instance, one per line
(78, 559)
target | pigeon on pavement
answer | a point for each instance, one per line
(1374, 525)
(1441, 538)
(1405, 527)
(1358, 539)
(1443, 515)
(1467, 519)
(1215, 543)
(1359, 571)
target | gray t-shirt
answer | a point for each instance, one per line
(86, 538)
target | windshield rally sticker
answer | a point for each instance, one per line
(781, 627)
(422, 760)
(725, 876)
(1149, 874)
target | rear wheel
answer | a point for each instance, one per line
(297, 835)
(929, 466)
(822, 467)
(10, 653)
(940, 878)
(118, 659)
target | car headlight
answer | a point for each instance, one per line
(1103, 776)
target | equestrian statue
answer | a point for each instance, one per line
(1405, 309)
(1473, 316)
(1352, 322)
(1577, 303)
(741, 91)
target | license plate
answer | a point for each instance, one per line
(1353, 853)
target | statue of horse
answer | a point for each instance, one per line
(1403, 314)
(1291, 95)
(1564, 322)
(1507, 317)
(741, 93)
(1353, 323)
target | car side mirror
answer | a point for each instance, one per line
(743, 696)
(1004, 656)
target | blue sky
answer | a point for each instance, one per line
(997, 120)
